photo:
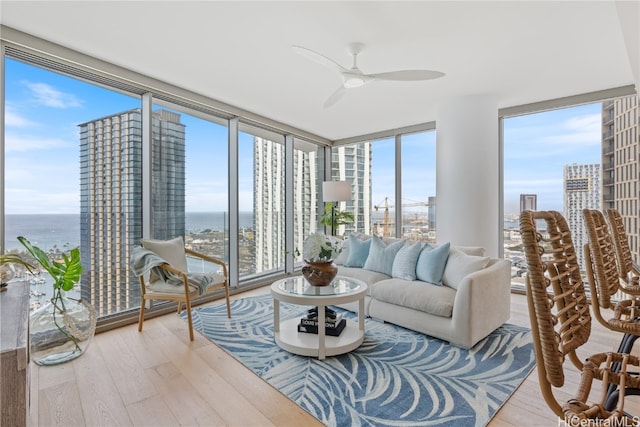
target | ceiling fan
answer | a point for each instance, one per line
(354, 77)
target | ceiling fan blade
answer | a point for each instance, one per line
(335, 97)
(319, 58)
(408, 75)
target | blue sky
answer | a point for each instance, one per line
(538, 146)
(43, 110)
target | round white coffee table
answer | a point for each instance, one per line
(296, 290)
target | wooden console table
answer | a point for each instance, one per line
(14, 353)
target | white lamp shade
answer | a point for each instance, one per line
(336, 191)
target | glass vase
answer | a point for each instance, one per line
(61, 330)
(7, 273)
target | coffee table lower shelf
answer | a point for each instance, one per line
(306, 344)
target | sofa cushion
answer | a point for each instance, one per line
(381, 255)
(431, 263)
(358, 252)
(436, 300)
(404, 265)
(368, 277)
(471, 250)
(461, 265)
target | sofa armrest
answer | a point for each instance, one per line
(483, 302)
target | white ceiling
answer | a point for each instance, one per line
(240, 52)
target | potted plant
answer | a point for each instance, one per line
(334, 217)
(62, 329)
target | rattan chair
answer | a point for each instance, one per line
(628, 270)
(189, 285)
(561, 323)
(605, 284)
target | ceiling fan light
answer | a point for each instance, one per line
(353, 81)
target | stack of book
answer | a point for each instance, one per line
(334, 323)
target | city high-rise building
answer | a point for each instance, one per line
(582, 184)
(111, 200)
(528, 202)
(621, 164)
(353, 163)
(268, 204)
(350, 163)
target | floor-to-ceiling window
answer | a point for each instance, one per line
(352, 163)
(73, 176)
(190, 194)
(383, 187)
(552, 161)
(70, 159)
(371, 168)
(418, 153)
(261, 195)
(306, 181)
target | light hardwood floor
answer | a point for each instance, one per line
(159, 378)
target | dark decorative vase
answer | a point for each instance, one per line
(319, 273)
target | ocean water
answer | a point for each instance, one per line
(44, 230)
(62, 231)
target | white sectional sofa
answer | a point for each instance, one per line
(471, 299)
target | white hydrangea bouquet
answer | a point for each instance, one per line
(320, 248)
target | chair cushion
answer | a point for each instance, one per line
(161, 287)
(460, 265)
(171, 251)
(431, 263)
(381, 255)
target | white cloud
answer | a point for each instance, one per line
(590, 124)
(584, 131)
(13, 119)
(48, 96)
(16, 143)
(41, 187)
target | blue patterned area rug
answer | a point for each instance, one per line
(397, 377)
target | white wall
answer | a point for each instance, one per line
(467, 177)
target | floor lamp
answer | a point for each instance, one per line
(334, 192)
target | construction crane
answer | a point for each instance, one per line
(385, 204)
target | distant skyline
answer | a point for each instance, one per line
(43, 110)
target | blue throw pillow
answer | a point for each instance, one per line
(431, 263)
(404, 265)
(381, 256)
(358, 252)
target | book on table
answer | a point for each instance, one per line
(310, 326)
(329, 321)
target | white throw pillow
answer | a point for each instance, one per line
(472, 250)
(171, 251)
(461, 265)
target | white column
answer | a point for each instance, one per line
(467, 177)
